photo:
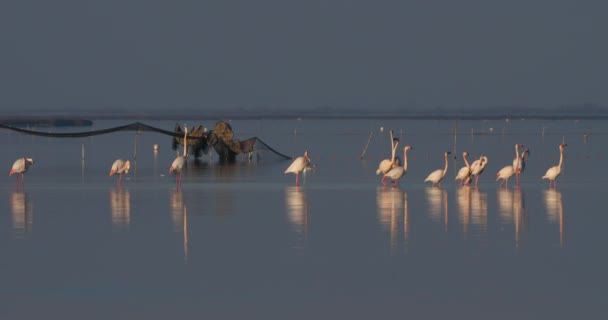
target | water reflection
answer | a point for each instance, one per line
(22, 214)
(390, 203)
(297, 212)
(179, 217)
(511, 210)
(555, 210)
(438, 205)
(120, 204)
(463, 202)
(479, 209)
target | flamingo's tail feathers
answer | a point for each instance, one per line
(170, 169)
(10, 173)
(378, 171)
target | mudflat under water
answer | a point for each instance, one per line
(241, 241)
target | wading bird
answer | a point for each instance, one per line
(478, 166)
(119, 167)
(298, 165)
(180, 162)
(464, 174)
(397, 173)
(517, 162)
(554, 172)
(436, 176)
(20, 167)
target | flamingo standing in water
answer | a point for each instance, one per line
(298, 165)
(20, 167)
(436, 176)
(179, 163)
(517, 162)
(477, 167)
(522, 161)
(554, 172)
(387, 164)
(398, 172)
(464, 174)
(504, 174)
(119, 167)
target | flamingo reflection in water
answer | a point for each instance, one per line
(511, 210)
(120, 204)
(297, 213)
(179, 218)
(390, 203)
(555, 210)
(463, 202)
(22, 214)
(438, 205)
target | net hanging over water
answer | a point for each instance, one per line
(200, 141)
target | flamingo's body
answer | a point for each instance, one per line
(298, 165)
(397, 173)
(554, 172)
(504, 174)
(179, 163)
(21, 166)
(464, 174)
(436, 176)
(119, 167)
(478, 166)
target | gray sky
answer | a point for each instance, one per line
(151, 54)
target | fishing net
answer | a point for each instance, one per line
(200, 141)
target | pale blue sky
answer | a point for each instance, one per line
(148, 54)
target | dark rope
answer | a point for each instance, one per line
(273, 150)
(137, 126)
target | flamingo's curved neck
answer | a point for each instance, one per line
(405, 159)
(561, 157)
(185, 142)
(394, 151)
(466, 162)
(516, 151)
(445, 170)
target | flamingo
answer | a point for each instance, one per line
(298, 165)
(464, 174)
(504, 174)
(180, 162)
(398, 172)
(119, 167)
(478, 166)
(517, 162)
(386, 164)
(20, 166)
(436, 176)
(554, 172)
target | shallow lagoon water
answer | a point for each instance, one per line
(240, 241)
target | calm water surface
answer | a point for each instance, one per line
(241, 241)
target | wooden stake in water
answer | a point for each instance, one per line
(369, 139)
(82, 157)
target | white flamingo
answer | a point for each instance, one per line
(517, 162)
(554, 172)
(478, 166)
(20, 166)
(298, 165)
(179, 163)
(119, 167)
(397, 173)
(436, 176)
(464, 174)
(387, 164)
(522, 162)
(504, 174)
